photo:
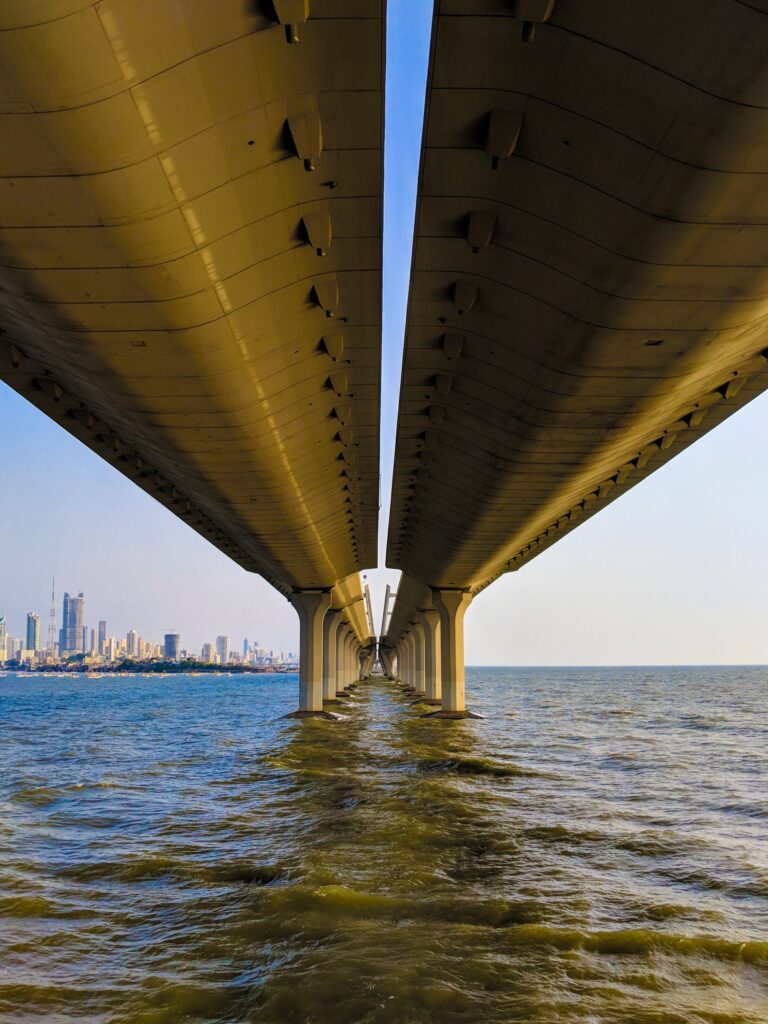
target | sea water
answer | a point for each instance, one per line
(594, 850)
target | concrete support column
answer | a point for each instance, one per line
(364, 658)
(411, 640)
(311, 606)
(418, 659)
(405, 648)
(341, 636)
(389, 664)
(452, 606)
(345, 660)
(351, 659)
(433, 684)
(330, 626)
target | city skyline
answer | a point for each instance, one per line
(76, 637)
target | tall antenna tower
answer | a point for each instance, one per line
(52, 619)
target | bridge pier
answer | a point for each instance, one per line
(433, 687)
(452, 606)
(311, 606)
(331, 625)
(349, 661)
(406, 658)
(365, 657)
(341, 640)
(417, 634)
(386, 659)
(393, 660)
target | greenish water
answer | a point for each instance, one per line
(595, 850)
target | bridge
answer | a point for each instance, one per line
(587, 292)
(191, 250)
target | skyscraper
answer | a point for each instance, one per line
(172, 646)
(52, 620)
(3, 638)
(102, 635)
(222, 649)
(33, 631)
(245, 647)
(131, 643)
(71, 635)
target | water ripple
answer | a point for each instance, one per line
(591, 851)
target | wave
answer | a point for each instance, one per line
(292, 905)
(639, 942)
(339, 901)
(144, 869)
(475, 766)
(643, 844)
(35, 906)
(43, 796)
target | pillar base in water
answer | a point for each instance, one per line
(434, 702)
(451, 714)
(342, 693)
(329, 715)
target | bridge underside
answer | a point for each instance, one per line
(588, 282)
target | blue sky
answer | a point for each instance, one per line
(674, 572)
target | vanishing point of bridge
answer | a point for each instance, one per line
(191, 259)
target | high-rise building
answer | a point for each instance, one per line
(84, 640)
(208, 654)
(92, 644)
(3, 630)
(222, 649)
(172, 646)
(52, 646)
(131, 643)
(71, 635)
(102, 635)
(33, 631)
